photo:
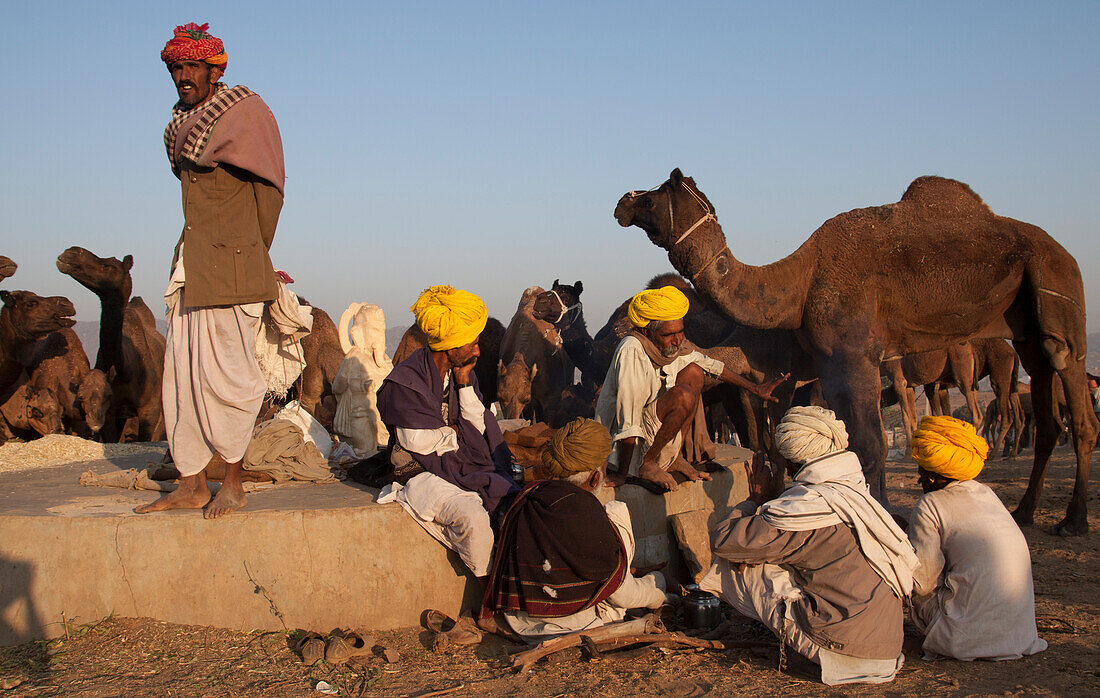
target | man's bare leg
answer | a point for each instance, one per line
(231, 495)
(192, 493)
(674, 408)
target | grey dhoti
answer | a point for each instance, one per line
(212, 387)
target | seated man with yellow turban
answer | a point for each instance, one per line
(451, 467)
(562, 561)
(824, 566)
(973, 596)
(653, 390)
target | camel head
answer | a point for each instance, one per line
(7, 267)
(94, 397)
(514, 386)
(97, 274)
(560, 305)
(667, 212)
(44, 412)
(31, 316)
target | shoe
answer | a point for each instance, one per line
(311, 647)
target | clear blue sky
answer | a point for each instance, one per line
(486, 144)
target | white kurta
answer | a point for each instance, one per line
(634, 592)
(973, 596)
(633, 383)
(212, 387)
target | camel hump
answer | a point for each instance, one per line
(669, 279)
(945, 194)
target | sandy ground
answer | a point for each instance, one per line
(127, 657)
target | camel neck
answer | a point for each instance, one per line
(112, 308)
(766, 297)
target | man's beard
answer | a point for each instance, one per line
(670, 351)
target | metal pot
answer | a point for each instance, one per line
(701, 609)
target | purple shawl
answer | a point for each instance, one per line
(411, 397)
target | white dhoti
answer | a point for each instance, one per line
(453, 516)
(212, 388)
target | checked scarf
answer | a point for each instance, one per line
(199, 135)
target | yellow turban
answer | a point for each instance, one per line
(449, 316)
(949, 447)
(666, 303)
(578, 447)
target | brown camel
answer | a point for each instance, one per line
(545, 363)
(323, 355)
(26, 318)
(488, 345)
(129, 343)
(95, 399)
(898, 279)
(7, 267)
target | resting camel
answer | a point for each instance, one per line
(898, 279)
(129, 343)
(323, 356)
(532, 364)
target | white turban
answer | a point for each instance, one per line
(811, 432)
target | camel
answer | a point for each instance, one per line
(26, 318)
(95, 398)
(129, 343)
(545, 366)
(7, 267)
(323, 356)
(488, 346)
(898, 279)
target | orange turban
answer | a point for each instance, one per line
(949, 447)
(449, 316)
(665, 303)
(193, 43)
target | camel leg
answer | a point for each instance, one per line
(1017, 414)
(1046, 429)
(851, 386)
(1084, 428)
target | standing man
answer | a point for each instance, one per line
(224, 146)
(973, 594)
(451, 467)
(651, 397)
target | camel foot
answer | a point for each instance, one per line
(1023, 518)
(181, 498)
(1068, 527)
(228, 499)
(651, 472)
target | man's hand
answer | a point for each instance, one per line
(462, 373)
(764, 390)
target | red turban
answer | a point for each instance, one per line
(193, 43)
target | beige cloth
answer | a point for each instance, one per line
(280, 449)
(453, 516)
(634, 592)
(973, 596)
(766, 593)
(632, 384)
(212, 387)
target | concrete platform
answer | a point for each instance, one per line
(301, 556)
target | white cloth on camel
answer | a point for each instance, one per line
(832, 490)
(635, 592)
(212, 387)
(973, 596)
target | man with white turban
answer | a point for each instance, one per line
(652, 393)
(451, 467)
(823, 565)
(563, 558)
(973, 596)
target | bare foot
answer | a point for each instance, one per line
(688, 470)
(189, 495)
(228, 499)
(650, 471)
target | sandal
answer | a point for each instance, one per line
(311, 647)
(336, 650)
(459, 632)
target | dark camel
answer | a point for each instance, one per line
(129, 343)
(545, 365)
(898, 279)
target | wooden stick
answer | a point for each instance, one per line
(648, 624)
